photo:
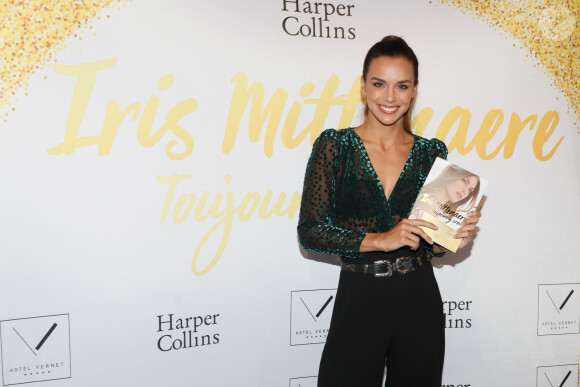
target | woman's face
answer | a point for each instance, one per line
(461, 188)
(389, 88)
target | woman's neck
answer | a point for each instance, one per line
(375, 132)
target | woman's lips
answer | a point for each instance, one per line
(388, 109)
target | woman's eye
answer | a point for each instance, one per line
(377, 84)
(403, 87)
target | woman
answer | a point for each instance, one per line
(359, 189)
(455, 187)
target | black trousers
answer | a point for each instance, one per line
(396, 321)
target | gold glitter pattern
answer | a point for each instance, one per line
(548, 30)
(33, 31)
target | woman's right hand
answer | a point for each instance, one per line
(407, 233)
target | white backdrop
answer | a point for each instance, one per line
(183, 208)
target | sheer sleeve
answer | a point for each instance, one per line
(438, 149)
(317, 230)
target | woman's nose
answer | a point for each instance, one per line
(389, 94)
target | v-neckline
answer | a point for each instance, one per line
(364, 153)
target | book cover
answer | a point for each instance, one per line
(448, 194)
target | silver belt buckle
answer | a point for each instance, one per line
(399, 265)
(389, 268)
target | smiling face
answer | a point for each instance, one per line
(389, 87)
(459, 189)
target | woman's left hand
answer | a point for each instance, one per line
(468, 227)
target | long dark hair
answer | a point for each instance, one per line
(449, 173)
(393, 47)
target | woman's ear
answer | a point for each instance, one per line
(363, 90)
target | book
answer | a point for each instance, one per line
(448, 194)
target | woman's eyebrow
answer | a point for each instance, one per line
(382, 80)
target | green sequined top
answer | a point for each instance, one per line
(343, 198)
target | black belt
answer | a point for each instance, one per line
(386, 268)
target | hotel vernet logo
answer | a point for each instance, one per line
(35, 349)
(557, 375)
(310, 314)
(308, 381)
(558, 309)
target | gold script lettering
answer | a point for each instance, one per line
(86, 79)
(224, 213)
(274, 110)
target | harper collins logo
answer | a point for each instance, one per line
(176, 333)
(318, 20)
(458, 314)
